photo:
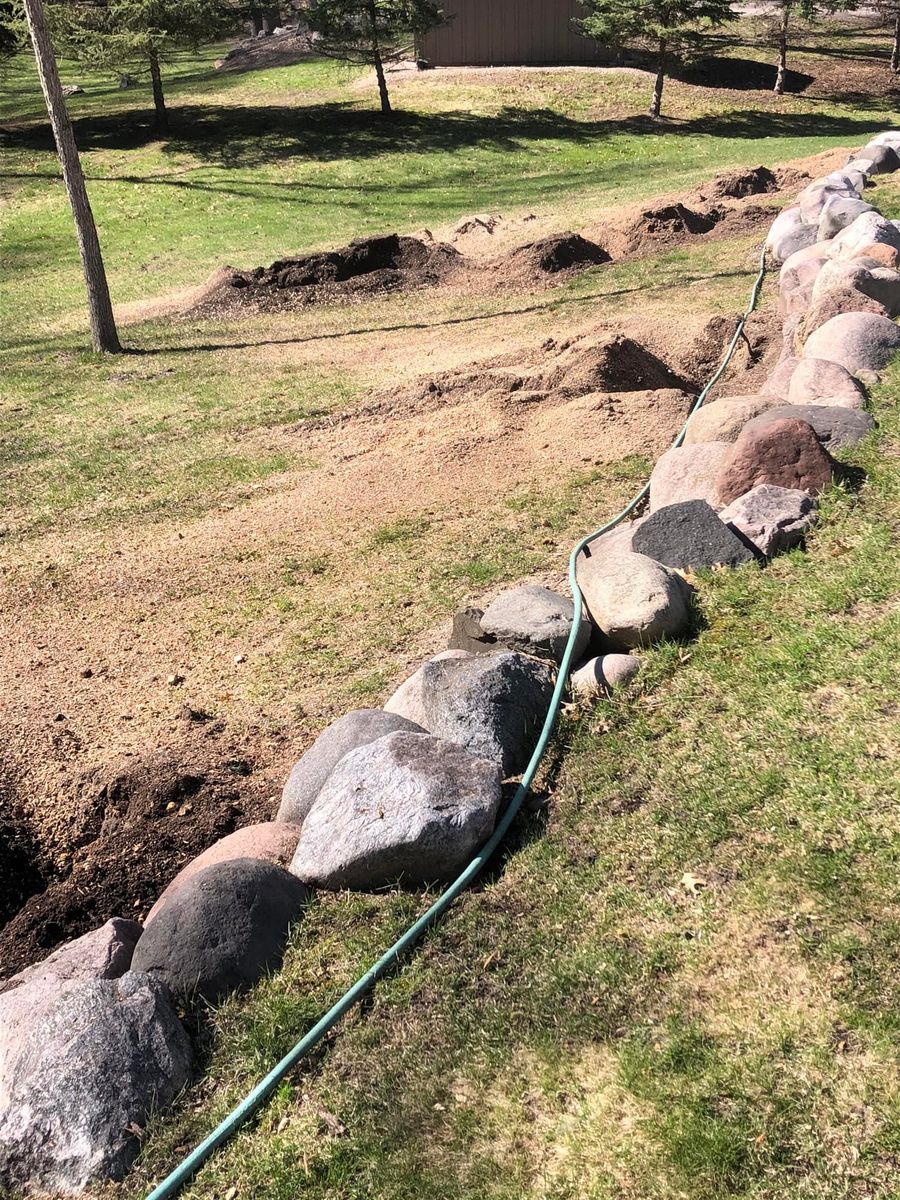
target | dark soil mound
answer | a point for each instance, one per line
(562, 253)
(671, 224)
(145, 820)
(735, 185)
(365, 267)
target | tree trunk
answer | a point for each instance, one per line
(895, 51)
(161, 119)
(103, 325)
(656, 102)
(782, 49)
(379, 65)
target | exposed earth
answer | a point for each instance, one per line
(133, 731)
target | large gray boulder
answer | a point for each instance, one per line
(882, 159)
(223, 929)
(100, 1061)
(103, 953)
(789, 233)
(493, 704)
(838, 212)
(347, 733)
(633, 599)
(403, 808)
(836, 428)
(722, 420)
(687, 473)
(270, 841)
(690, 535)
(820, 381)
(535, 620)
(408, 701)
(772, 518)
(870, 236)
(859, 342)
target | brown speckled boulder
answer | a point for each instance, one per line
(785, 453)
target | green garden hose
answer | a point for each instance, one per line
(173, 1183)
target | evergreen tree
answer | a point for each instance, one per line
(118, 34)
(370, 32)
(670, 29)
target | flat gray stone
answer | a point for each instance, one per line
(856, 341)
(820, 381)
(536, 621)
(883, 159)
(691, 535)
(347, 733)
(100, 1061)
(407, 701)
(688, 473)
(467, 633)
(836, 428)
(404, 808)
(601, 675)
(103, 953)
(633, 599)
(223, 929)
(494, 705)
(773, 518)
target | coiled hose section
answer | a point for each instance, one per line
(173, 1183)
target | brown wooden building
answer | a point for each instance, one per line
(484, 33)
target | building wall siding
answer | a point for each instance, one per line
(508, 33)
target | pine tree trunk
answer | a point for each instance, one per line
(379, 65)
(895, 51)
(161, 119)
(656, 102)
(103, 325)
(782, 49)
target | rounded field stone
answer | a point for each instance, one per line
(785, 453)
(404, 808)
(270, 841)
(722, 420)
(633, 599)
(223, 929)
(103, 1059)
(820, 381)
(688, 473)
(855, 341)
(494, 705)
(343, 735)
(691, 535)
(603, 674)
(407, 701)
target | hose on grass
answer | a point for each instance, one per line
(173, 1183)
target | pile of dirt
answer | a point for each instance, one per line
(669, 225)
(137, 824)
(735, 185)
(561, 256)
(363, 268)
(560, 370)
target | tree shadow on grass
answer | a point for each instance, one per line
(241, 137)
